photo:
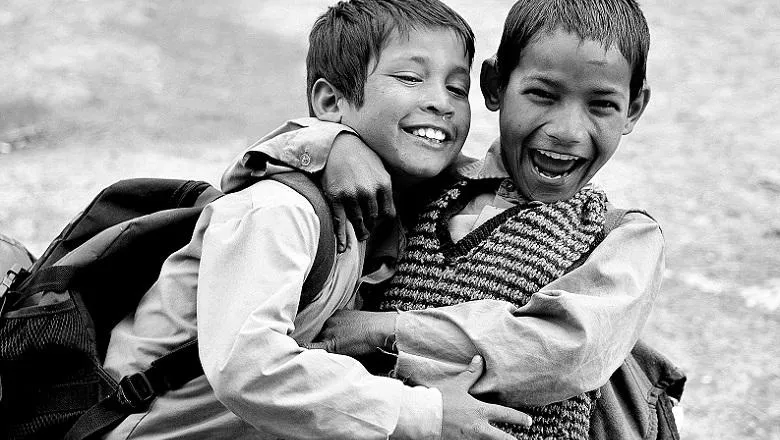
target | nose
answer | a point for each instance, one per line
(438, 100)
(568, 124)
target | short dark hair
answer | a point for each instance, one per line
(350, 34)
(610, 22)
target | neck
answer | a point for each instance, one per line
(411, 195)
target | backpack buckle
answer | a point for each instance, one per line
(8, 281)
(9, 278)
(135, 392)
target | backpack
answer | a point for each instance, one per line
(13, 256)
(56, 317)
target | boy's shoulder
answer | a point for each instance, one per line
(631, 224)
(302, 144)
(291, 194)
(616, 216)
(290, 199)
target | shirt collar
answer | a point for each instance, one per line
(489, 167)
(492, 167)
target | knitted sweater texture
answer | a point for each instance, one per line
(509, 258)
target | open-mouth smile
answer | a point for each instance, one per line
(554, 166)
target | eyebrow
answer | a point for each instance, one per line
(419, 59)
(544, 80)
(604, 91)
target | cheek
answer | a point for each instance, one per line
(607, 139)
(517, 121)
(512, 157)
(465, 113)
(516, 164)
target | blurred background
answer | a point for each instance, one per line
(92, 91)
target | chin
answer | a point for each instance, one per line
(417, 176)
(547, 198)
(545, 195)
(428, 170)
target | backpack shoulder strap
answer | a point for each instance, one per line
(135, 392)
(326, 248)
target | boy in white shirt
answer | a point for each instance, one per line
(394, 71)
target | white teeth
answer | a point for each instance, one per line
(430, 133)
(548, 175)
(557, 156)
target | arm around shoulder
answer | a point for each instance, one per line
(303, 144)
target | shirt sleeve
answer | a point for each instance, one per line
(256, 252)
(303, 144)
(569, 338)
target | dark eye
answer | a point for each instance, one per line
(406, 78)
(459, 91)
(540, 94)
(605, 105)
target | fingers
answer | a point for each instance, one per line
(386, 207)
(498, 413)
(493, 433)
(327, 345)
(370, 210)
(313, 345)
(486, 431)
(468, 377)
(355, 216)
(340, 226)
(475, 366)
(363, 210)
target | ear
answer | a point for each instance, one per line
(490, 83)
(326, 101)
(636, 108)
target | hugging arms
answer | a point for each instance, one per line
(568, 339)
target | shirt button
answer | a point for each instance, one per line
(305, 159)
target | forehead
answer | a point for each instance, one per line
(439, 45)
(564, 56)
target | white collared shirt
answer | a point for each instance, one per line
(236, 286)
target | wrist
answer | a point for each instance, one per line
(421, 414)
(386, 322)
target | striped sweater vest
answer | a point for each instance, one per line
(508, 258)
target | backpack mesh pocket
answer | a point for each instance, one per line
(48, 371)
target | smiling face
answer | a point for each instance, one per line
(563, 111)
(415, 114)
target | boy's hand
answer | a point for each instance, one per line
(465, 417)
(356, 333)
(357, 186)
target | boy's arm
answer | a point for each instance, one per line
(255, 253)
(568, 339)
(303, 144)
(359, 189)
(254, 259)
